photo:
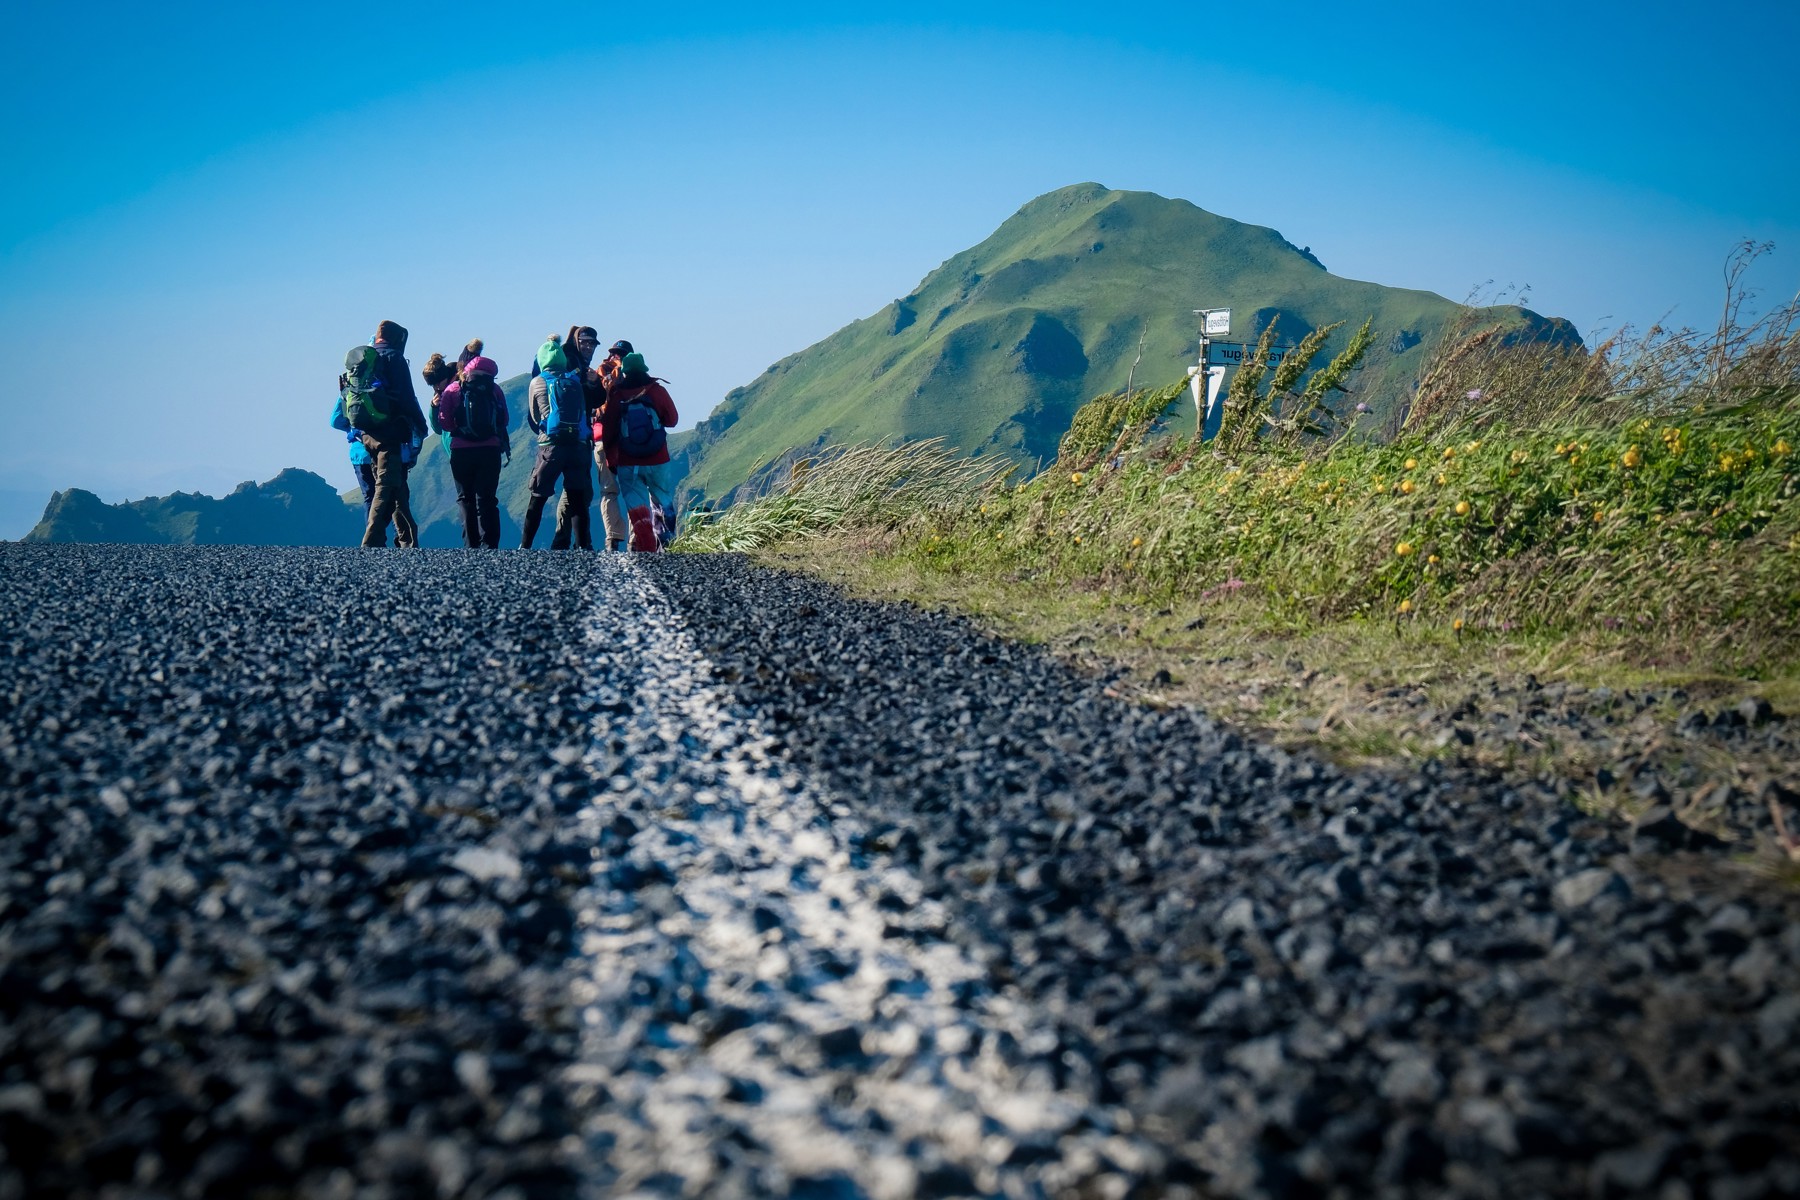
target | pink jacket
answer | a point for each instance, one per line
(450, 409)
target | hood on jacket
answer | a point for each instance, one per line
(393, 333)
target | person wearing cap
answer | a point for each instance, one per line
(635, 421)
(611, 515)
(395, 447)
(475, 458)
(564, 450)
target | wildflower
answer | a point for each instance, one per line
(1471, 447)
(1405, 607)
(1472, 394)
(1136, 542)
(1449, 453)
(1075, 478)
(1403, 549)
(1078, 539)
(1519, 456)
(1432, 559)
(1561, 449)
(1381, 489)
(1573, 459)
(1457, 624)
(1362, 408)
(1411, 463)
(1442, 479)
(1462, 508)
(1727, 462)
(1782, 449)
(1407, 486)
(1632, 460)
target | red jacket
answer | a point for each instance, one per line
(613, 411)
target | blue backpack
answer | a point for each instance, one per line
(566, 418)
(641, 432)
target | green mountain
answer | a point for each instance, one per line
(995, 349)
(296, 508)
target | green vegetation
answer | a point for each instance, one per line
(1637, 510)
(996, 349)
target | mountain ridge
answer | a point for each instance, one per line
(1001, 342)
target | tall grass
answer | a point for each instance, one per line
(1480, 375)
(873, 486)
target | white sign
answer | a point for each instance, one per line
(1206, 381)
(1218, 321)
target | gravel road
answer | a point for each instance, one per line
(332, 873)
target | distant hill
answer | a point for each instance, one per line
(296, 508)
(996, 348)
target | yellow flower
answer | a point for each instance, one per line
(1136, 542)
(1471, 447)
(1078, 539)
(1462, 508)
(984, 509)
(1632, 459)
(1405, 606)
(1457, 624)
(1561, 449)
(1599, 515)
(1573, 459)
(1075, 478)
(1442, 480)
(1411, 463)
(1519, 456)
(1407, 486)
(1432, 559)
(1381, 489)
(1403, 549)
(1449, 452)
(1726, 462)
(1782, 449)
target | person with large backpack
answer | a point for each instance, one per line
(558, 414)
(635, 421)
(381, 406)
(611, 515)
(472, 410)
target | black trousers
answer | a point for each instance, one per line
(477, 474)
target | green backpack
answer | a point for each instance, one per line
(363, 404)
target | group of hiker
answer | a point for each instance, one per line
(608, 421)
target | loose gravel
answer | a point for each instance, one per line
(364, 874)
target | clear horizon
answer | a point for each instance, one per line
(220, 203)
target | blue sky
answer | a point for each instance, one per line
(207, 208)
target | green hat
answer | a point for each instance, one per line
(550, 356)
(633, 362)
